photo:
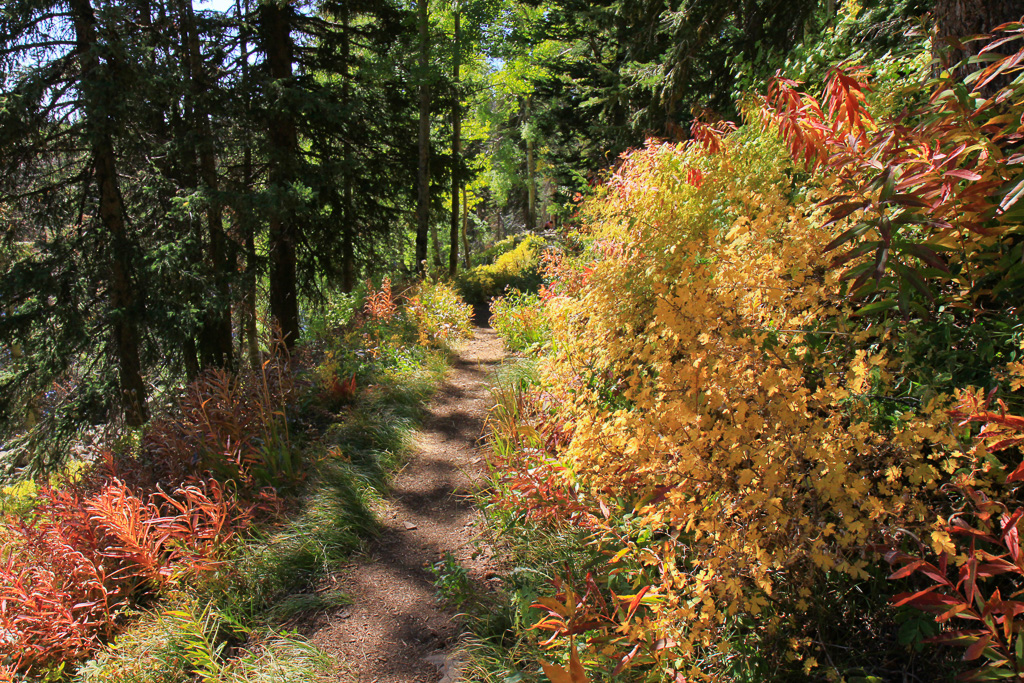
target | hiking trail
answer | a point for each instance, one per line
(395, 631)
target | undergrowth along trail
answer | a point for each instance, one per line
(395, 632)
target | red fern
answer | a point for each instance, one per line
(380, 304)
(58, 595)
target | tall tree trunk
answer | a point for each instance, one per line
(437, 245)
(501, 226)
(275, 27)
(215, 333)
(124, 305)
(531, 175)
(348, 268)
(423, 176)
(453, 253)
(247, 223)
(465, 229)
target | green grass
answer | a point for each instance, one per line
(183, 642)
(357, 455)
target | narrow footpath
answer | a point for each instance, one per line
(395, 632)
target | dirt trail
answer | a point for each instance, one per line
(395, 632)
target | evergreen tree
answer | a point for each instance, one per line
(73, 285)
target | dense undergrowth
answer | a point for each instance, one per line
(754, 416)
(186, 549)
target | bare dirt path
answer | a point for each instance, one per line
(395, 632)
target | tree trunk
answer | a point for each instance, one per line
(453, 253)
(531, 176)
(423, 176)
(215, 333)
(125, 308)
(245, 217)
(275, 25)
(437, 245)
(957, 19)
(348, 274)
(465, 229)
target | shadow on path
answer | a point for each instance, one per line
(395, 632)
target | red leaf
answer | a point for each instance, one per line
(975, 650)
(1016, 475)
(906, 570)
(626, 659)
(963, 173)
(926, 599)
(636, 601)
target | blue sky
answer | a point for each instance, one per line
(219, 5)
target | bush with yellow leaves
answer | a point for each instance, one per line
(719, 388)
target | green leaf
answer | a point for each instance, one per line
(876, 307)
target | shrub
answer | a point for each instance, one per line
(232, 425)
(332, 315)
(441, 316)
(499, 248)
(973, 586)
(70, 567)
(743, 415)
(516, 269)
(380, 304)
(58, 592)
(520, 321)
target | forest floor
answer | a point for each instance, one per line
(395, 631)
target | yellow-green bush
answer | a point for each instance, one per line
(517, 269)
(520, 320)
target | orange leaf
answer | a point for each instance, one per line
(576, 669)
(555, 673)
(636, 601)
(553, 605)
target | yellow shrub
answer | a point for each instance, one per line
(709, 361)
(515, 269)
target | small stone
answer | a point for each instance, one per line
(409, 526)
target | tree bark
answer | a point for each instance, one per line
(125, 307)
(453, 253)
(275, 24)
(531, 175)
(956, 19)
(348, 274)
(245, 217)
(465, 230)
(423, 176)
